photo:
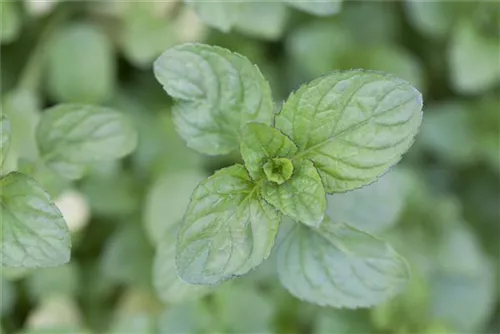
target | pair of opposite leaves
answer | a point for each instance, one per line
(334, 134)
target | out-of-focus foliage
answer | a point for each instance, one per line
(439, 208)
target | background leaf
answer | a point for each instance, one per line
(72, 136)
(323, 8)
(11, 22)
(34, 233)
(170, 288)
(339, 266)
(373, 208)
(167, 201)
(81, 65)
(145, 34)
(469, 47)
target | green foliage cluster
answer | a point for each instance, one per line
(262, 196)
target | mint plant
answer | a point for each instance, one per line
(70, 138)
(337, 133)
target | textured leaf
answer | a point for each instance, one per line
(260, 143)
(167, 202)
(4, 137)
(373, 208)
(353, 125)
(34, 233)
(228, 229)
(81, 65)
(71, 136)
(320, 8)
(302, 197)
(339, 266)
(216, 93)
(170, 288)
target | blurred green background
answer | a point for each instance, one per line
(440, 207)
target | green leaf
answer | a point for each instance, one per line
(302, 197)
(136, 312)
(11, 21)
(260, 143)
(189, 317)
(263, 19)
(391, 59)
(61, 280)
(462, 272)
(432, 18)
(167, 201)
(145, 34)
(81, 65)
(473, 60)
(328, 39)
(22, 107)
(373, 208)
(115, 195)
(127, 257)
(340, 266)
(447, 131)
(34, 233)
(4, 137)
(220, 15)
(170, 288)
(320, 8)
(243, 309)
(330, 321)
(216, 93)
(228, 229)
(353, 125)
(72, 136)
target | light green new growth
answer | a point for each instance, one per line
(278, 170)
(337, 133)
